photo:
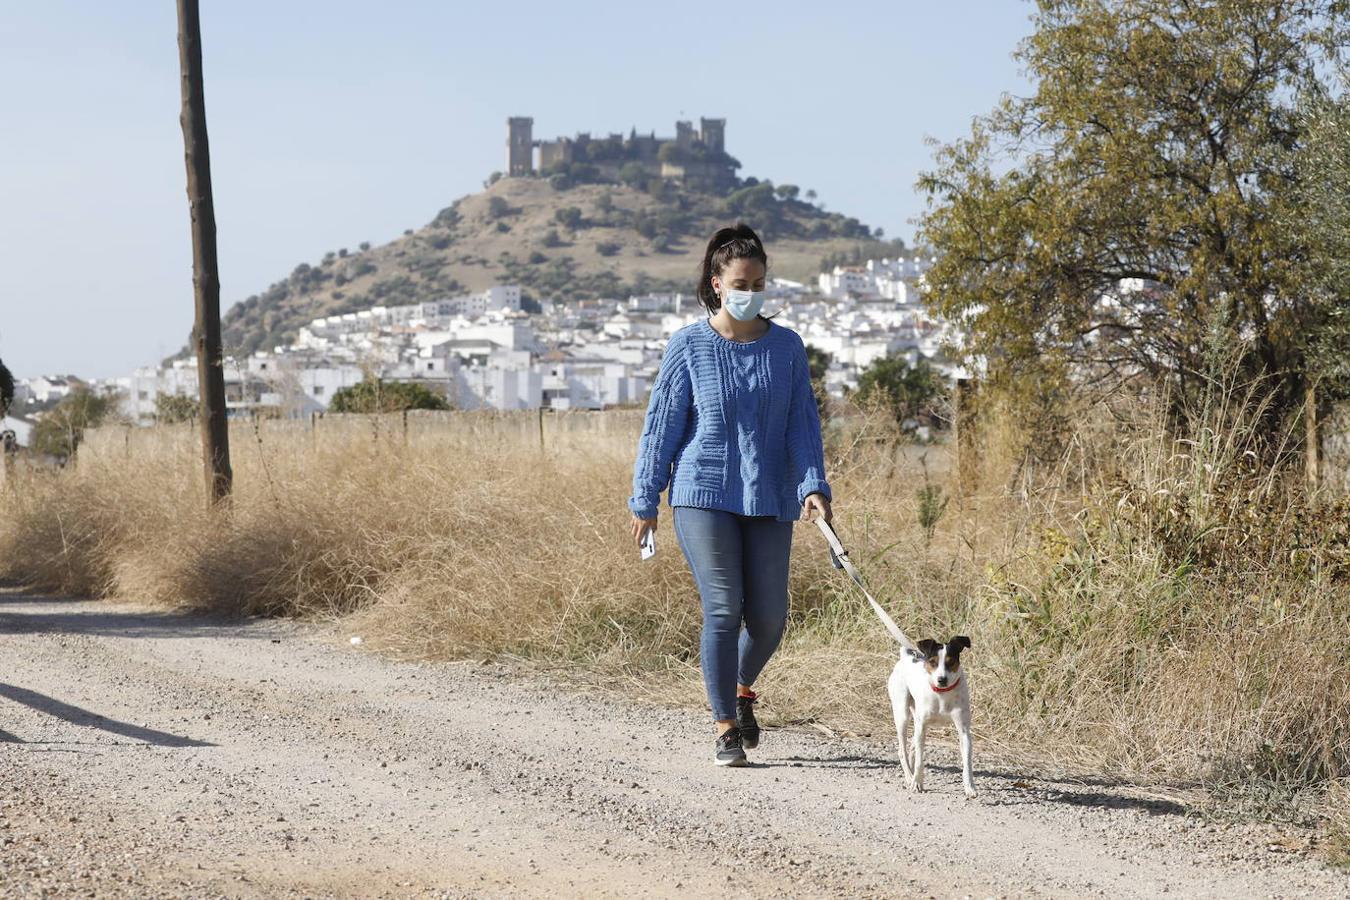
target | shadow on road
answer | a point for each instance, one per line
(22, 613)
(78, 716)
(1017, 788)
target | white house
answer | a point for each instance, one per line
(45, 388)
(847, 281)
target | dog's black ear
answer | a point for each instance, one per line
(929, 647)
(961, 642)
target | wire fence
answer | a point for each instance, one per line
(562, 431)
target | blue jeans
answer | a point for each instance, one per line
(740, 566)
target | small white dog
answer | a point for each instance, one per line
(927, 684)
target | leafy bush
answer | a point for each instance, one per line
(446, 218)
(172, 408)
(379, 396)
(910, 392)
(60, 429)
(568, 217)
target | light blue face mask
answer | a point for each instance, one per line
(743, 305)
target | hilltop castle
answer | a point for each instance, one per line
(697, 158)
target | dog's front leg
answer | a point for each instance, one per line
(900, 704)
(962, 723)
(919, 723)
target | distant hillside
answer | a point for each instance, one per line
(560, 241)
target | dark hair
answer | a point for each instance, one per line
(6, 389)
(727, 244)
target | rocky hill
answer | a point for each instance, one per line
(562, 241)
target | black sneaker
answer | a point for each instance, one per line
(745, 721)
(728, 748)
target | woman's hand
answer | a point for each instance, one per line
(816, 505)
(640, 527)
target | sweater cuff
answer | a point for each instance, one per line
(644, 509)
(813, 486)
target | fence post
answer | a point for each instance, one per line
(541, 428)
(1311, 440)
(405, 428)
(9, 446)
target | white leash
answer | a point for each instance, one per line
(839, 556)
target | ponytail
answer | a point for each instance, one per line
(727, 244)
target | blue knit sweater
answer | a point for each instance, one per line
(731, 425)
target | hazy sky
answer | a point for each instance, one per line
(338, 122)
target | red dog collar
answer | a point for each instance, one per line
(941, 690)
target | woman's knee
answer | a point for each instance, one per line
(767, 625)
(721, 622)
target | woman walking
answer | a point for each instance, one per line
(732, 429)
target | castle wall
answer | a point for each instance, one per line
(553, 152)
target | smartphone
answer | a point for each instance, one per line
(649, 543)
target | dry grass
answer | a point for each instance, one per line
(1148, 605)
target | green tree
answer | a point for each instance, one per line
(379, 396)
(498, 207)
(1153, 153)
(60, 430)
(634, 174)
(1319, 220)
(756, 201)
(910, 392)
(817, 362)
(674, 154)
(173, 408)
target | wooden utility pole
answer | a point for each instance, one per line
(967, 451)
(205, 273)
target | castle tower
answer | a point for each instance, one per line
(519, 145)
(713, 133)
(684, 135)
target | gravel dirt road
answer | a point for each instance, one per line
(154, 754)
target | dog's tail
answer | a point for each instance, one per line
(842, 561)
